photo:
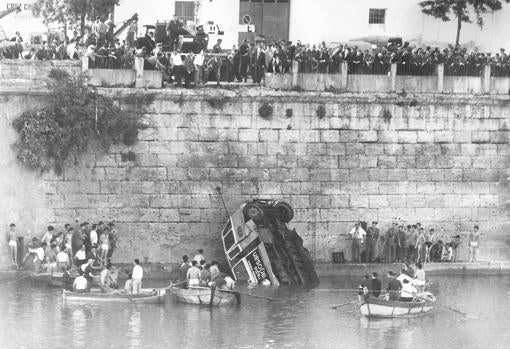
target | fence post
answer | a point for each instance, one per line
(393, 77)
(343, 72)
(295, 68)
(440, 77)
(139, 82)
(84, 63)
(486, 79)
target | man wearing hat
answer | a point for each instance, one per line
(372, 237)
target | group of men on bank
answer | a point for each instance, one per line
(411, 243)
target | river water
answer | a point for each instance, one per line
(35, 317)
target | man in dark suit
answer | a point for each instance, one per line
(244, 52)
(259, 64)
(173, 30)
(375, 285)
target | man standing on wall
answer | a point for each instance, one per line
(110, 25)
(390, 243)
(372, 237)
(358, 235)
(172, 29)
(474, 244)
(244, 52)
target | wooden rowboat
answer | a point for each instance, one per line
(380, 308)
(202, 296)
(146, 297)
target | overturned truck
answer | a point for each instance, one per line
(259, 246)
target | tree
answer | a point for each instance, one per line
(461, 9)
(72, 11)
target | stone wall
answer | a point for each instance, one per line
(438, 159)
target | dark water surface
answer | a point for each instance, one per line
(34, 317)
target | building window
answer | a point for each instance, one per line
(185, 10)
(376, 16)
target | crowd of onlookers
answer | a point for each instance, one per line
(198, 65)
(410, 243)
(73, 245)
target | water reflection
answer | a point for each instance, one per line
(134, 326)
(303, 319)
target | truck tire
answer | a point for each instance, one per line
(254, 212)
(285, 210)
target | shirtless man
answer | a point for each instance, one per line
(474, 244)
(12, 237)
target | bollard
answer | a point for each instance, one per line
(486, 82)
(139, 81)
(440, 77)
(393, 77)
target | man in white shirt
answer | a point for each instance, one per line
(63, 262)
(408, 291)
(81, 256)
(199, 256)
(137, 277)
(80, 283)
(93, 235)
(48, 235)
(177, 67)
(198, 61)
(358, 235)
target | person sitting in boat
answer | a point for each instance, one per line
(63, 262)
(193, 274)
(375, 285)
(394, 287)
(80, 257)
(105, 279)
(214, 269)
(88, 271)
(199, 257)
(230, 283)
(408, 291)
(128, 286)
(205, 274)
(404, 276)
(183, 269)
(363, 288)
(80, 284)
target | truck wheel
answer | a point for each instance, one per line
(254, 212)
(285, 210)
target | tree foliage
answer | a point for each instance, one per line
(462, 10)
(72, 11)
(75, 119)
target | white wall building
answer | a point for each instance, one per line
(342, 20)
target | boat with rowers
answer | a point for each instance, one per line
(379, 307)
(203, 295)
(147, 296)
(260, 248)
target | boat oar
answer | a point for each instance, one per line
(21, 278)
(343, 304)
(251, 295)
(449, 308)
